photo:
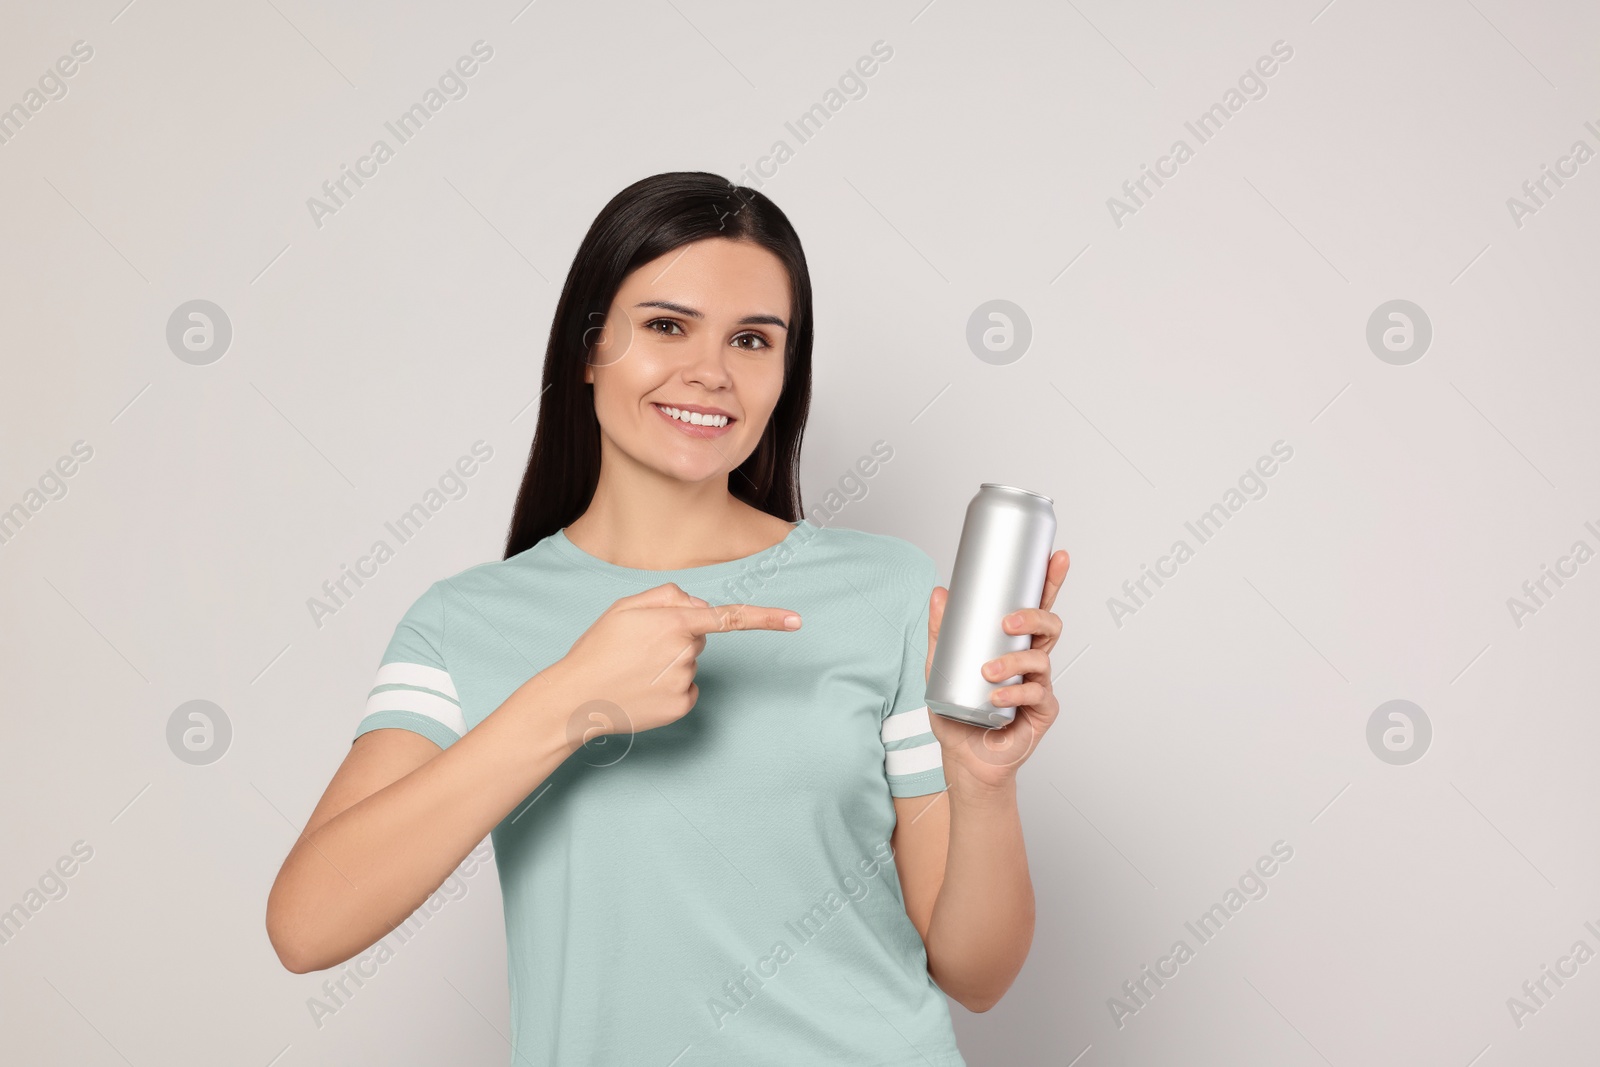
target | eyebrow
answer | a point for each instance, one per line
(748, 320)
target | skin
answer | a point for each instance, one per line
(400, 814)
(662, 501)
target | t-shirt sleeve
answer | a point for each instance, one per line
(912, 761)
(413, 689)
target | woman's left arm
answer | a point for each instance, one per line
(959, 853)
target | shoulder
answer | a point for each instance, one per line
(886, 548)
(478, 583)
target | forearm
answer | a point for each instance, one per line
(354, 878)
(982, 922)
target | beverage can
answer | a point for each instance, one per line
(1001, 561)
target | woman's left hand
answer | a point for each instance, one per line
(984, 758)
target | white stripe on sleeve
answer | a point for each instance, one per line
(430, 704)
(417, 674)
(899, 761)
(904, 724)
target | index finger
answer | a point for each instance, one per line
(720, 618)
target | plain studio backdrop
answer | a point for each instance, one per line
(1369, 269)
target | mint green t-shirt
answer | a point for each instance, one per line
(720, 890)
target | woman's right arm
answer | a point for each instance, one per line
(400, 815)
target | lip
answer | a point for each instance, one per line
(702, 432)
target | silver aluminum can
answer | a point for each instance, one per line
(1005, 549)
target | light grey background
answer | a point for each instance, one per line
(1168, 353)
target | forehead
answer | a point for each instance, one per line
(714, 276)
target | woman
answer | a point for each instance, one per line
(756, 848)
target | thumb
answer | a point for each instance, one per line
(936, 604)
(668, 595)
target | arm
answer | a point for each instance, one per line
(960, 855)
(399, 816)
(964, 875)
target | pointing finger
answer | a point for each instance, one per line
(722, 618)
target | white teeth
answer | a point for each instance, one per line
(694, 418)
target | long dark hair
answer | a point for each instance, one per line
(646, 220)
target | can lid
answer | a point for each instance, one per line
(1014, 489)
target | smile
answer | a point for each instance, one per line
(694, 423)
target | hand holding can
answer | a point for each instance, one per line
(1000, 567)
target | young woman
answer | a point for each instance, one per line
(724, 835)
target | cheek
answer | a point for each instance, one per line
(619, 384)
(612, 400)
(761, 389)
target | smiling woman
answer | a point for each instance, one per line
(692, 295)
(666, 805)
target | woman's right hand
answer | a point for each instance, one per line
(639, 657)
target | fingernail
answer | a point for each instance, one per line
(792, 622)
(1013, 620)
(990, 668)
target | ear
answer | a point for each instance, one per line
(588, 372)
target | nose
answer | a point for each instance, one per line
(706, 363)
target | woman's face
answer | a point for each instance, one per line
(689, 365)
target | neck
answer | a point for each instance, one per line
(641, 518)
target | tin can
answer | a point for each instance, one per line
(1006, 544)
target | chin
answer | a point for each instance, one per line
(696, 469)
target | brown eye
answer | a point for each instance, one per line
(754, 337)
(667, 322)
